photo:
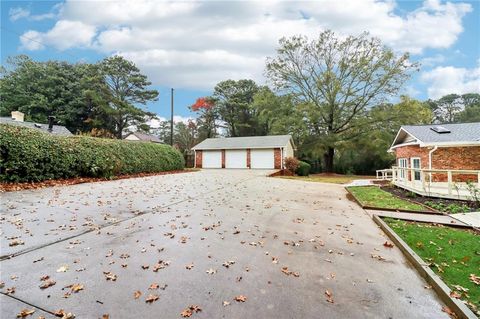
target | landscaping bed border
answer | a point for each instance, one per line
(442, 290)
(428, 210)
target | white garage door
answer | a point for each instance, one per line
(212, 159)
(236, 159)
(262, 158)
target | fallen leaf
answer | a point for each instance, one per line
(47, 283)
(151, 298)
(329, 295)
(388, 244)
(110, 276)
(226, 303)
(455, 294)
(76, 287)
(240, 298)
(137, 294)
(474, 279)
(25, 312)
(64, 315)
(190, 310)
(189, 266)
(63, 268)
(154, 286)
(449, 312)
(211, 271)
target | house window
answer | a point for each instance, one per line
(403, 163)
(416, 165)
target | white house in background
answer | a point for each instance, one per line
(137, 136)
(264, 152)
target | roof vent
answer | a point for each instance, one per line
(440, 129)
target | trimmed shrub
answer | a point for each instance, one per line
(28, 155)
(291, 164)
(303, 169)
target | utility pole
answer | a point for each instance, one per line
(171, 119)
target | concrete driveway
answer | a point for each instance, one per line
(289, 249)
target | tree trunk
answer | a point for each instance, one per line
(328, 159)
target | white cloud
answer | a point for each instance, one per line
(432, 60)
(448, 79)
(64, 35)
(155, 122)
(195, 44)
(18, 13)
(21, 13)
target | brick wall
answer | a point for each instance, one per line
(223, 158)
(277, 156)
(198, 159)
(248, 158)
(467, 158)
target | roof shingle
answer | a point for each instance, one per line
(269, 141)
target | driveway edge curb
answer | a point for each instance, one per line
(442, 290)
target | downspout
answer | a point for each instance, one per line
(281, 158)
(430, 161)
(430, 156)
(194, 158)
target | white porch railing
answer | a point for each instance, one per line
(453, 184)
(384, 174)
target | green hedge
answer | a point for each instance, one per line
(29, 155)
(303, 169)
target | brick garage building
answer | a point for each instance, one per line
(440, 147)
(262, 152)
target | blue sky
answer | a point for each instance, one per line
(192, 45)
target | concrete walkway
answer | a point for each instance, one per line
(472, 219)
(289, 249)
(426, 218)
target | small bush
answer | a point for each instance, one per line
(28, 155)
(303, 169)
(291, 163)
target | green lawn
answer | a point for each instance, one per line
(453, 254)
(373, 196)
(324, 178)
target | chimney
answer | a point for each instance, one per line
(18, 116)
(50, 123)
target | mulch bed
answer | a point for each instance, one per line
(282, 172)
(11, 187)
(400, 192)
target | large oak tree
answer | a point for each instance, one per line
(336, 80)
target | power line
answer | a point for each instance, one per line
(39, 42)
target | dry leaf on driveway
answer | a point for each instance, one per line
(151, 298)
(63, 268)
(64, 315)
(211, 271)
(110, 276)
(25, 312)
(388, 244)
(47, 283)
(190, 310)
(154, 286)
(137, 294)
(449, 312)
(240, 298)
(329, 295)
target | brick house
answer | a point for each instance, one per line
(262, 152)
(447, 152)
(447, 146)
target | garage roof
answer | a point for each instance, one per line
(270, 141)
